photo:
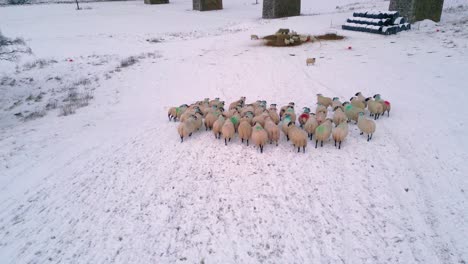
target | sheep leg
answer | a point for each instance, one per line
(277, 143)
(368, 137)
(339, 145)
(287, 137)
(242, 140)
(247, 142)
(321, 143)
(225, 142)
(303, 149)
(371, 136)
(229, 139)
(170, 119)
(316, 142)
(335, 143)
(190, 134)
(261, 149)
(361, 133)
(181, 139)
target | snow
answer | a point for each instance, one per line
(112, 182)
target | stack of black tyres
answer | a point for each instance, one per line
(377, 22)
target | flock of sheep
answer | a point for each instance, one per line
(256, 122)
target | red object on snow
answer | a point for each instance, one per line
(349, 47)
(70, 60)
(437, 30)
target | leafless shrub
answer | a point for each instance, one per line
(51, 104)
(40, 63)
(11, 49)
(7, 81)
(67, 109)
(154, 40)
(83, 82)
(35, 115)
(128, 61)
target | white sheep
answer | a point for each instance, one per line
(325, 101)
(358, 103)
(218, 125)
(321, 109)
(311, 125)
(339, 133)
(227, 131)
(259, 136)
(375, 108)
(336, 103)
(310, 61)
(385, 104)
(297, 136)
(272, 131)
(339, 116)
(323, 132)
(187, 127)
(352, 112)
(245, 130)
(366, 126)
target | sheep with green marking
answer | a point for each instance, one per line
(323, 132)
(259, 136)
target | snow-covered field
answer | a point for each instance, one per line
(112, 182)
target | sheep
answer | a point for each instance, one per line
(311, 125)
(175, 113)
(245, 130)
(259, 136)
(358, 103)
(325, 101)
(198, 121)
(211, 118)
(366, 126)
(227, 131)
(187, 127)
(352, 112)
(259, 110)
(304, 116)
(297, 136)
(321, 108)
(375, 108)
(336, 103)
(240, 102)
(284, 108)
(323, 132)
(339, 116)
(290, 112)
(260, 119)
(385, 104)
(217, 126)
(246, 109)
(310, 61)
(214, 102)
(360, 97)
(272, 112)
(284, 125)
(340, 132)
(272, 131)
(190, 111)
(321, 116)
(254, 37)
(235, 119)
